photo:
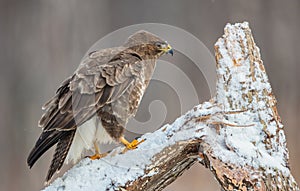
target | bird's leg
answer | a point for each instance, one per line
(130, 146)
(97, 154)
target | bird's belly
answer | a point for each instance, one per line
(86, 135)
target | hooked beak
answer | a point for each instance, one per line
(168, 50)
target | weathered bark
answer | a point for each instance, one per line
(238, 135)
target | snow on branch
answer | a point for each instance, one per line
(238, 135)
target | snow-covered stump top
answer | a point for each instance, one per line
(238, 135)
(254, 145)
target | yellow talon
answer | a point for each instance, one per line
(97, 156)
(134, 144)
(130, 146)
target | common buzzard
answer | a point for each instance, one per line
(94, 104)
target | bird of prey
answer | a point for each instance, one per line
(94, 104)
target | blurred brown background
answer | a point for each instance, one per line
(42, 42)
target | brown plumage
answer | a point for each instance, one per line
(94, 104)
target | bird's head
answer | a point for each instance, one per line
(162, 47)
(148, 45)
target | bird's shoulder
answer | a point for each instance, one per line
(111, 67)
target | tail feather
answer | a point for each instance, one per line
(60, 154)
(46, 141)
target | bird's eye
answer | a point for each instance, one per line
(158, 45)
